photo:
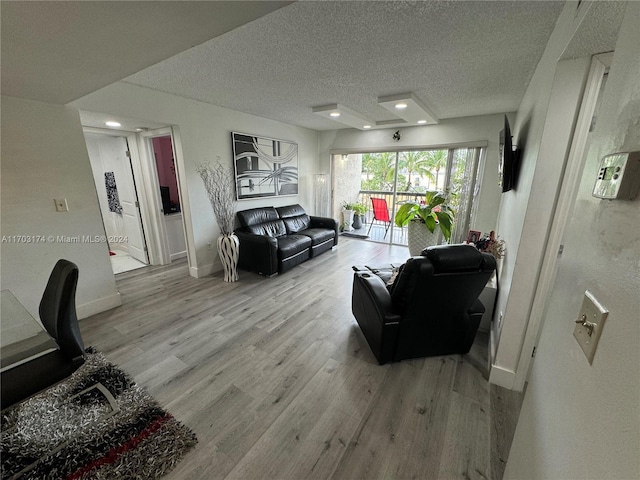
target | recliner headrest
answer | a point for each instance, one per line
(458, 258)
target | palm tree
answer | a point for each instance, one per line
(415, 162)
(381, 167)
(436, 160)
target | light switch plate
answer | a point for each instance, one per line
(593, 314)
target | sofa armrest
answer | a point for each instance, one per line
(326, 222)
(375, 297)
(258, 253)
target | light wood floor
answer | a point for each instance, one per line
(276, 380)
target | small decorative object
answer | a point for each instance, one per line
(473, 236)
(423, 218)
(491, 244)
(359, 212)
(396, 136)
(264, 167)
(347, 216)
(219, 186)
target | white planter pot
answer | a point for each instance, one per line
(419, 237)
(347, 219)
(229, 251)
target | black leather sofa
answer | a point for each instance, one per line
(430, 308)
(274, 240)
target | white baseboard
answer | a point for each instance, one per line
(100, 305)
(502, 377)
(205, 270)
(176, 256)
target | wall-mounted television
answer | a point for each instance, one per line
(509, 161)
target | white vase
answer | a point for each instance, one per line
(229, 252)
(347, 218)
(419, 237)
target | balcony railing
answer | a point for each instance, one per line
(377, 232)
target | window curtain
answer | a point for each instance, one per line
(463, 180)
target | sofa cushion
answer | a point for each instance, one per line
(274, 228)
(295, 218)
(290, 245)
(318, 235)
(255, 216)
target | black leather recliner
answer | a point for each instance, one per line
(431, 308)
(274, 240)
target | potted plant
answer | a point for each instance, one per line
(219, 184)
(424, 219)
(347, 215)
(359, 212)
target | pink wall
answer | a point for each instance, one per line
(165, 165)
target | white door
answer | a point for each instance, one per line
(115, 150)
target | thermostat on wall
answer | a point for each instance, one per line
(618, 176)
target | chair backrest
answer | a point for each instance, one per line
(380, 209)
(58, 309)
(443, 282)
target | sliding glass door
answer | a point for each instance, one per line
(383, 181)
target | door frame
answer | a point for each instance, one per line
(137, 177)
(159, 247)
(564, 206)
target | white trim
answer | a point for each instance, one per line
(568, 191)
(176, 256)
(97, 306)
(502, 377)
(205, 270)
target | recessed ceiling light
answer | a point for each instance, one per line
(414, 111)
(344, 115)
(400, 106)
(111, 123)
(366, 126)
(421, 122)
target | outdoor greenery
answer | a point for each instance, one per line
(413, 168)
(432, 211)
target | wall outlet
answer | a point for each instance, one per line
(61, 204)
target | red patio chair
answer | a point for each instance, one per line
(380, 214)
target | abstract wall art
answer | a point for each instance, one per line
(264, 167)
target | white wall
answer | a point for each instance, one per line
(581, 421)
(205, 134)
(543, 128)
(44, 156)
(485, 128)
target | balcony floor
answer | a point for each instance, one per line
(377, 234)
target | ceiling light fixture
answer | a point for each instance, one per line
(345, 116)
(421, 122)
(366, 127)
(401, 106)
(111, 123)
(414, 111)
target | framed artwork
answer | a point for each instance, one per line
(473, 236)
(264, 167)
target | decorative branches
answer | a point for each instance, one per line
(219, 184)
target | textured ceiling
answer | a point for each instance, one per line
(598, 31)
(459, 58)
(58, 51)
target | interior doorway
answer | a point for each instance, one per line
(118, 199)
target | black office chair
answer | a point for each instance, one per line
(431, 308)
(58, 315)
